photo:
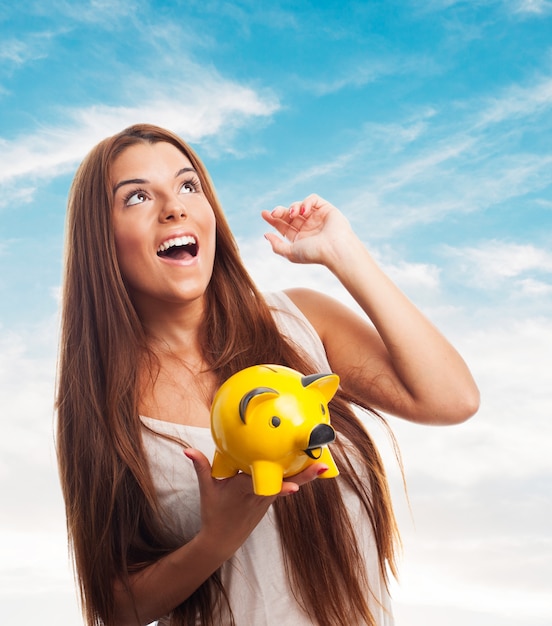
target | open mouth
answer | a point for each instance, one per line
(179, 248)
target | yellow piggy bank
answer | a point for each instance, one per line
(270, 421)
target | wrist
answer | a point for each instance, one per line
(347, 255)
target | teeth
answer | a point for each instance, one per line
(177, 241)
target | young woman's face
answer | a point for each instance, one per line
(164, 226)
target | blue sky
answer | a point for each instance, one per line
(428, 123)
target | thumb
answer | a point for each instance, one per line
(201, 464)
(279, 246)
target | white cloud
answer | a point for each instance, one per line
(430, 187)
(508, 440)
(409, 276)
(17, 52)
(455, 165)
(477, 544)
(426, 162)
(533, 287)
(14, 194)
(517, 101)
(192, 112)
(358, 75)
(467, 158)
(272, 272)
(530, 7)
(535, 7)
(103, 12)
(32, 514)
(493, 263)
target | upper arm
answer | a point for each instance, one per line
(355, 352)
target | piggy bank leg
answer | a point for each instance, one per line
(267, 478)
(327, 459)
(222, 467)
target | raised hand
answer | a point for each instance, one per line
(313, 231)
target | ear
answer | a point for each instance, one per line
(327, 384)
(255, 397)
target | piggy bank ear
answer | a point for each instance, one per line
(255, 397)
(327, 384)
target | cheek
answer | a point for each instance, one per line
(127, 250)
(210, 227)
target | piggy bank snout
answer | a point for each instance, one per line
(321, 435)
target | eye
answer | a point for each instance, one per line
(275, 422)
(135, 197)
(190, 186)
(323, 409)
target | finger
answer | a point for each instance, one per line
(276, 219)
(279, 246)
(278, 213)
(310, 473)
(287, 214)
(296, 209)
(288, 488)
(201, 465)
(312, 203)
(306, 476)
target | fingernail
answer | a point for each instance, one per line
(322, 470)
(302, 210)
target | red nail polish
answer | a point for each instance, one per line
(322, 470)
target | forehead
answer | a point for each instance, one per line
(148, 161)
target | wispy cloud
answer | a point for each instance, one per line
(358, 74)
(192, 112)
(102, 12)
(536, 7)
(515, 102)
(17, 52)
(466, 158)
(461, 160)
(531, 7)
(14, 194)
(493, 263)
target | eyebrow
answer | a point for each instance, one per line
(143, 181)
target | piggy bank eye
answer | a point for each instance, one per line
(275, 422)
(323, 409)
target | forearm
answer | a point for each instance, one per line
(404, 366)
(159, 588)
(434, 376)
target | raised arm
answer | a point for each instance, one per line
(399, 363)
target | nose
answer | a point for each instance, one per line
(173, 209)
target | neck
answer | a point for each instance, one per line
(173, 328)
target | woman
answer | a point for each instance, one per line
(158, 311)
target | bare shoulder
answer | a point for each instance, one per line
(354, 349)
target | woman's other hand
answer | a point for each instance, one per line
(313, 231)
(230, 509)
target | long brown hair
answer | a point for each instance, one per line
(113, 519)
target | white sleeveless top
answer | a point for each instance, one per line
(254, 577)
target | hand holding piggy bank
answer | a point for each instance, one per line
(270, 421)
